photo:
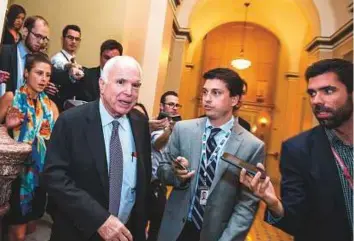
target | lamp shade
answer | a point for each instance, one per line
(241, 63)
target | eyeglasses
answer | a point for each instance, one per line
(72, 38)
(173, 105)
(40, 37)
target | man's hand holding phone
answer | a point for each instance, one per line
(180, 165)
(158, 124)
(51, 89)
(262, 188)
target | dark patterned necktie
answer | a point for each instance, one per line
(207, 174)
(211, 143)
(115, 170)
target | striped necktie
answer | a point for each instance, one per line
(115, 170)
(207, 174)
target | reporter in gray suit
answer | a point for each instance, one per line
(196, 145)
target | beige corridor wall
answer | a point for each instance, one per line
(163, 58)
(189, 95)
(98, 22)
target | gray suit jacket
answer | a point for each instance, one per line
(230, 209)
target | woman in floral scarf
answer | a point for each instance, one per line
(31, 119)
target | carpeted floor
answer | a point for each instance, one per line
(260, 231)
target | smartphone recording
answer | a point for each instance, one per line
(250, 169)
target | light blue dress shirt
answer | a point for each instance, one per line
(128, 193)
(225, 128)
(21, 60)
(156, 156)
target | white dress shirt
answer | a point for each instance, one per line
(60, 59)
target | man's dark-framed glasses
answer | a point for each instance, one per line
(173, 105)
(72, 38)
(39, 37)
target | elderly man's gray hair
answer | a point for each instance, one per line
(121, 61)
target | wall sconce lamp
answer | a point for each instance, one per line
(263, 121)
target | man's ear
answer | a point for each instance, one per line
(24, 32)
(101, 84)
(235, 100)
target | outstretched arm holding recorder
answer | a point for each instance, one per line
(263, 188)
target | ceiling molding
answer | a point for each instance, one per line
(350, 7)
(177, 2)
(189, 65)
(181, 32)
(292, 75)
(330, 42)
(251, 105)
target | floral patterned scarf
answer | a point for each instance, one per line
(34, 130)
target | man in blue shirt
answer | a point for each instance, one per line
(169, 111)
(13, 57)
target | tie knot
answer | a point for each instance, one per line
(214, 132)
(115, 124)
(72, 60)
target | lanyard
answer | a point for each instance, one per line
(65, 56)
(215, 152)
(344, 168)
(213, 157)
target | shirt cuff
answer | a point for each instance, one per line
(271, 219)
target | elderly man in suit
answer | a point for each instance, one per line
(226, 210)
(317, 165)
(98, 164)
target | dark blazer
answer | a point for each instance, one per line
(8, 63)
(89, 88)
(245, 124)
(76, 179)
(311, 190)
(67, 89)
(7, 37)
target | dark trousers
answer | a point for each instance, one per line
(189, 232)
(157, 208)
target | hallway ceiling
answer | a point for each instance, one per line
(294, 22)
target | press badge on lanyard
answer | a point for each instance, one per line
(204, 193)
(204, 190)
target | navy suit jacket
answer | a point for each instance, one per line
(8, 63)
(311, 190)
